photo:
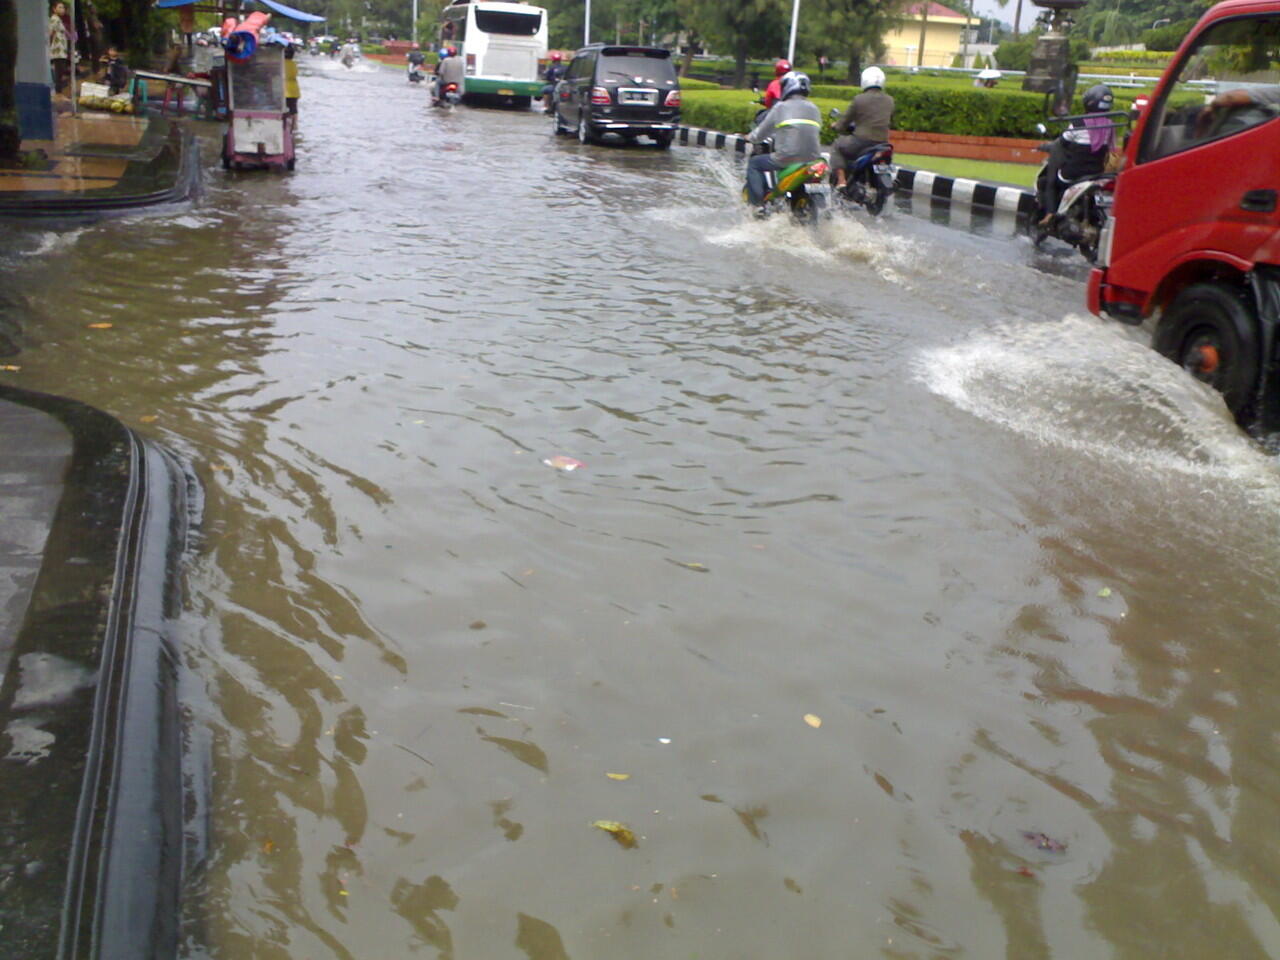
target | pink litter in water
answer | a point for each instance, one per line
(566, 464)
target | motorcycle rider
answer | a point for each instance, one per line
(869, 113)
(1080, 151)
(416, 59)
(555, 70)
(794, 124)
(448, 70)
(773, 92)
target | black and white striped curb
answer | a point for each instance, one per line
(959, 190)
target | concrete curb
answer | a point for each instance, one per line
(974, 193)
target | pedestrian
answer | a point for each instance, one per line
(822, 64)
(116, 73)
(60, 46)
(291, 90)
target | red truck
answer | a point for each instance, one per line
(1195, 233)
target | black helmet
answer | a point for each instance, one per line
(1098, 99)
(794, 83)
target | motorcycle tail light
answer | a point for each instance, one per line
(884, 156)
(600, 95)
(673, 98)
(818, 169)
(1108, 185)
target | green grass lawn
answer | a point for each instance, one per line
(1020, 174)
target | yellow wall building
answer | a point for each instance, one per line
(942, 42)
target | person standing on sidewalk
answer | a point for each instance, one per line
(60, 47)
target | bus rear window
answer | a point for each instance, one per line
(514, 24)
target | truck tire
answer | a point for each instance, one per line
(1211, 331)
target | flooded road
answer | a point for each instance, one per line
(898, 608)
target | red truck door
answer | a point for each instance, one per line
(1204, 180)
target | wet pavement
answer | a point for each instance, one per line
(914, 612)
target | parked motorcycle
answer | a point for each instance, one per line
(869, 177)
(798, 188)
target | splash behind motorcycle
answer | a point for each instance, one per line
(1083, 205)
(869, 176)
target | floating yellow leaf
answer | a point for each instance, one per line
(99, 326)
(12, 367)
(618, 776)
(619, 831)
(149, 418)
(813, 720)
(1104, 592)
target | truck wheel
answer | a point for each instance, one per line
(1211, 332)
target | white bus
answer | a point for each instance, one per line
(500, 44)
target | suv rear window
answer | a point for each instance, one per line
(513, 24)
(638, 67)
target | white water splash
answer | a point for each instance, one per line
(1079, 384)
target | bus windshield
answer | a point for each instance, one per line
(508, 22)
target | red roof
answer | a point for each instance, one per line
(935, 10)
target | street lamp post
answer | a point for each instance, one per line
(795, 17)
(586, 26)
(413, 27)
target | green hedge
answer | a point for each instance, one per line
(1111, 70)
(1143, 57)
(689, 83)
(971, 112)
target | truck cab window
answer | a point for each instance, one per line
(1228, 82)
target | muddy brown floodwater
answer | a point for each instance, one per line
(899, 609)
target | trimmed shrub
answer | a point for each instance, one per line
(963, 111)
(689, 83)
(1143, 58)
(1167, 38)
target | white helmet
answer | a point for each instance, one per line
(872, 77)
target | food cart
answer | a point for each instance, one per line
(260, 129)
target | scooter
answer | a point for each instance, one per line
(448, 97)
(348, 60)
(1082, 212)
(869, 177)
(416, 73)
(799, 188)
(1085, 205)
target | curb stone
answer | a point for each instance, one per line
(974, 193)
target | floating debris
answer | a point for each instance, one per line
(567, 464)
(1043, 841)
(619, 831)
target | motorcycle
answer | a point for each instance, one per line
(1084, 207)
(416, 73)
(448, 97)
(348, 60)
(799, 188)
(869, 178)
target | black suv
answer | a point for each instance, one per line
(624, 90)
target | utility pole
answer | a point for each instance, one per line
(964, 48)
(795, 17)
(413, 27)
(586, 25)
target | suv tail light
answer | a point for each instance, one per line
(673, 99)
(471, 64)
(600, 95)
